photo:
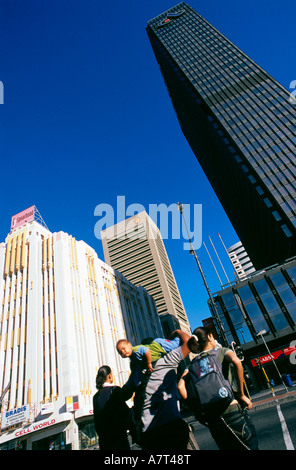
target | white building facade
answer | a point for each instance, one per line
(62, 312)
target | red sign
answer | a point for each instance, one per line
(289, 350)
(209, 324)
(273, 356)
(22, 217)
(34, 427)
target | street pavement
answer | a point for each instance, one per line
(265, 399)
(267, 423)
(270, 425)
(274, 417)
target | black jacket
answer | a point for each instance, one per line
(112, 417)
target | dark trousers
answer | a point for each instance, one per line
(234, 430)
(170, 436)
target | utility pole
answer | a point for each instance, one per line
(261, 333)
(212, 303)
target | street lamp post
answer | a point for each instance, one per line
(261, 333)
(193, 252)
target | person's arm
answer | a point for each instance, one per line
(148, 359)
(182, 386)
(184, 338)
(128, 388)
(176, 333)
(230, 356)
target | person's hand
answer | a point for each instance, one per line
(149, 367)
(246, 402)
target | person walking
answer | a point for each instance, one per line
(232, 428)
(142, 357)
(162, 425)
(112, 416)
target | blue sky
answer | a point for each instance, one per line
(86, 117)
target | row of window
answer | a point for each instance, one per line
(255, 143)
(253, 134)
(188, 37)
(251, 177)
(189, 44)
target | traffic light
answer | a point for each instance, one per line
(239, 352)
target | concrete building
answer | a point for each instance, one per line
(240, 260)
(62, 312)
(136, 249)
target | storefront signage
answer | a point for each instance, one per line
(34, 427)
(273, 356)
(72, 403)
(47, 408)
(16, 416)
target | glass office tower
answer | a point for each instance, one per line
(240, 125)
(263, 302)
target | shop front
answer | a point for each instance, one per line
(66, 431)
(275, 368)
(86, 430)
(55, 433)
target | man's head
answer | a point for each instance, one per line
(124, 348)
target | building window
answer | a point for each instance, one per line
(286, 231)
(237, 318)
(271, 305)
(253, 310)
(252, 179)
(292, 274)
(276, 215)
(285, 292)
(268, 203)
(259, 190)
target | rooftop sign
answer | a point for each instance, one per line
(22, 217)
(170, 17)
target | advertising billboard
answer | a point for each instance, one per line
(16, 416)
(22, 217)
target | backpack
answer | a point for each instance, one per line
(209, 393)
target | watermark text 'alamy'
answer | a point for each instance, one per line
(167, 218)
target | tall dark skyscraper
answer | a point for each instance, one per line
(240, 125)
